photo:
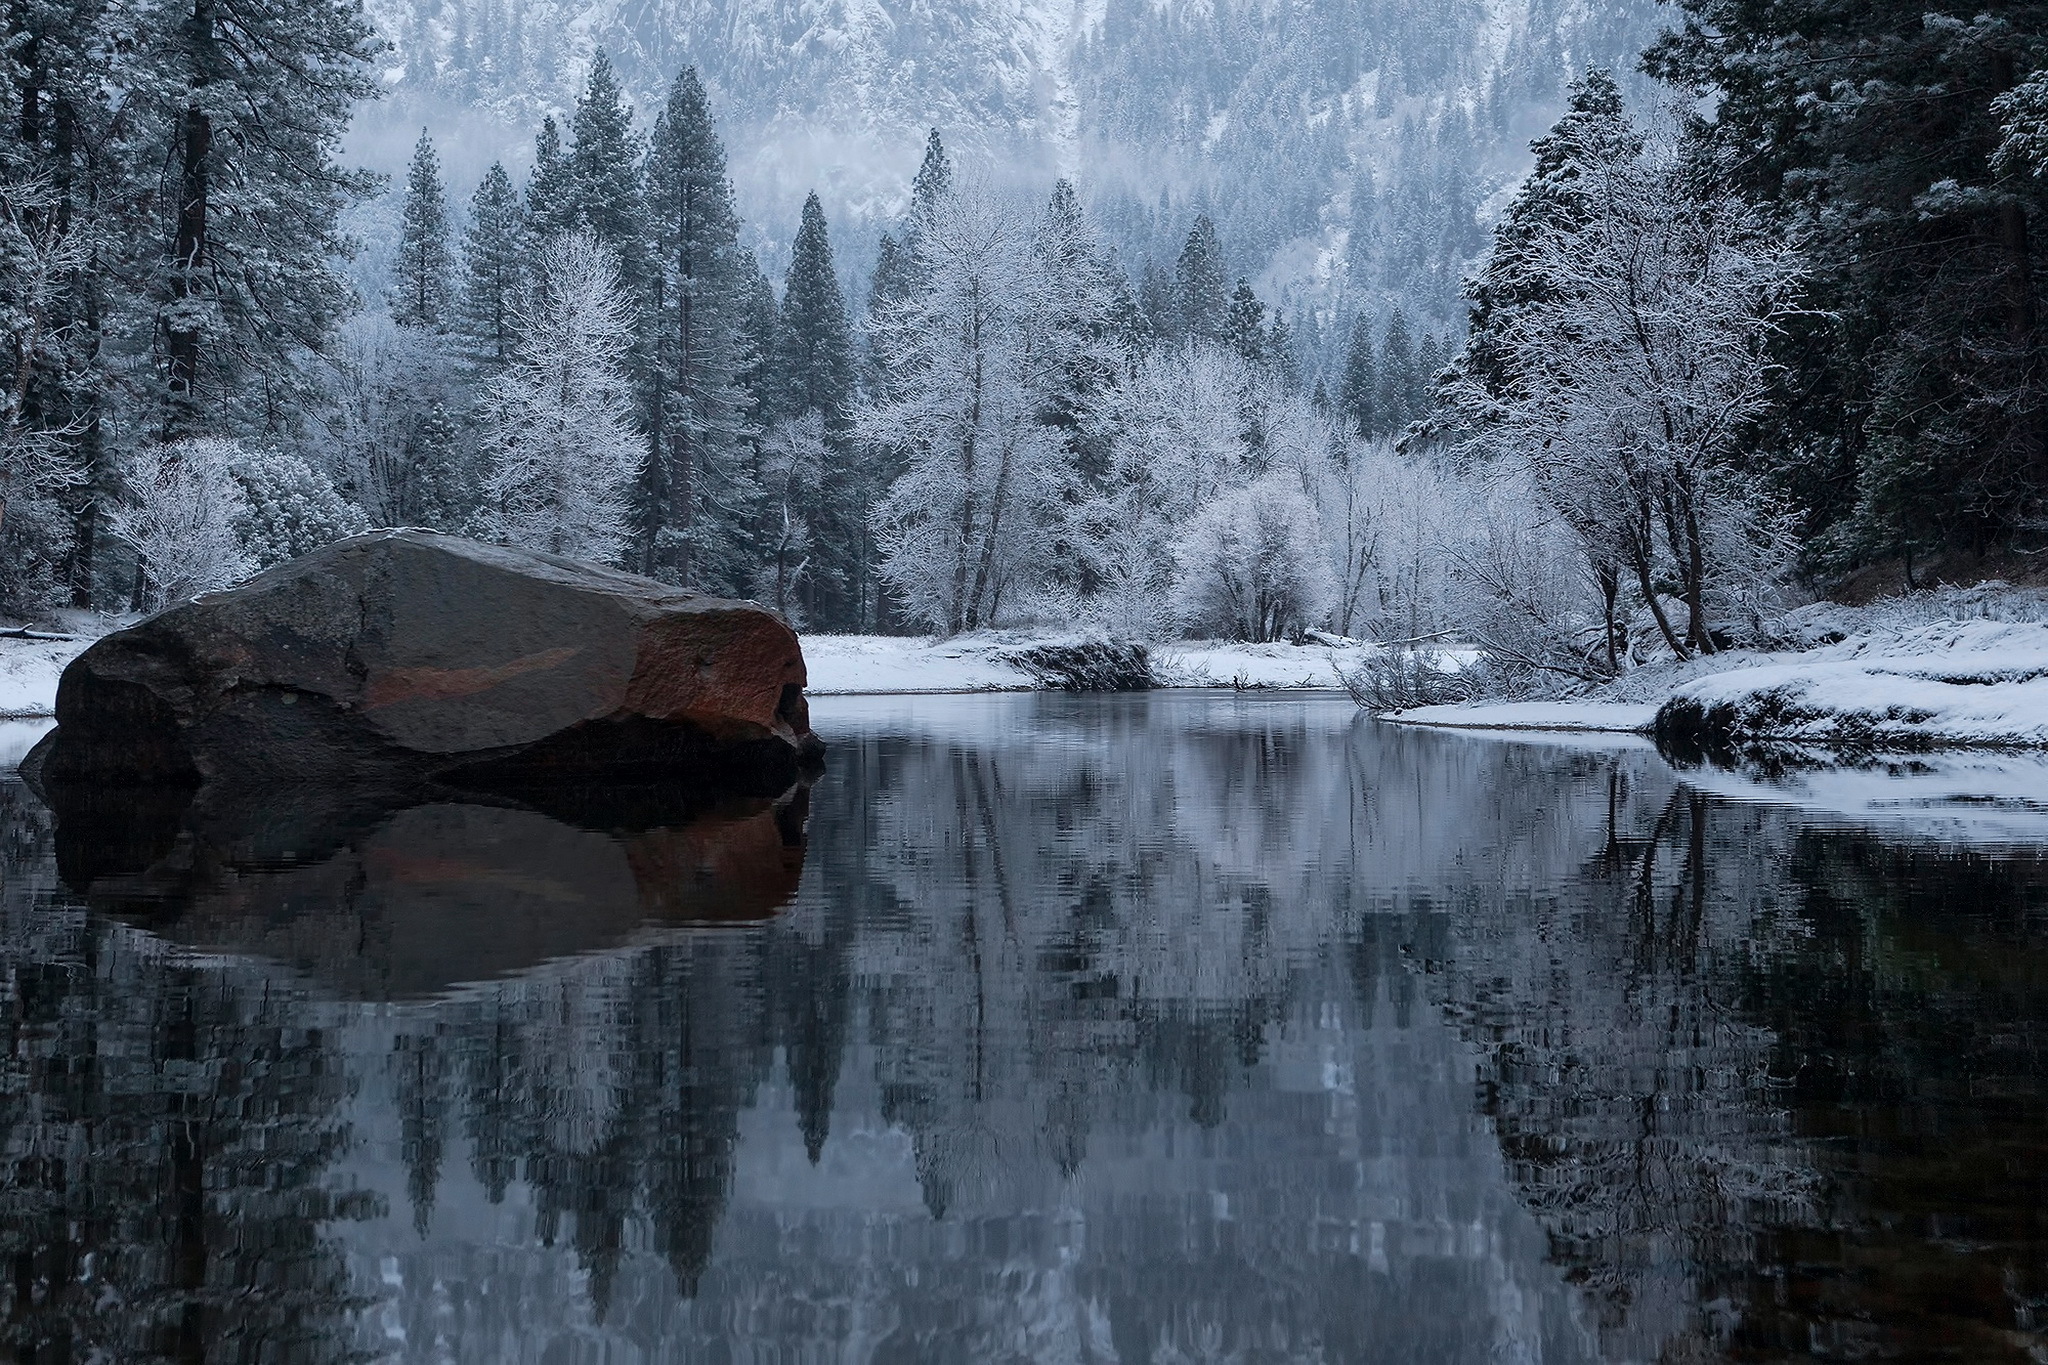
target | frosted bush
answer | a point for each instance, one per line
(181, 513)
(1252, 563)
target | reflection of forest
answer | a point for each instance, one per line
(1143, 1030)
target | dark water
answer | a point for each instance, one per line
(1173, 1029)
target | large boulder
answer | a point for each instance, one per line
(403, 657)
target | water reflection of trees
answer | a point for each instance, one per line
(167, 1131)
(1121, 1033)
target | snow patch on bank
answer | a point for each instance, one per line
(28, 674)
(1962, 668)
(1952, 683)
(884, 664)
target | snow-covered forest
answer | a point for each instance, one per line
(1258, 325)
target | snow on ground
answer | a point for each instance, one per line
(871, 664)
(1963, 667)
(1953, 683)
(860, 664)
(884, 663)
(28, 674)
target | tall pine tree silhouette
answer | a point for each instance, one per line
(1201, 298)
(550, 207)
(493, 260)
(814, 373)
(423, 290)
(696, 495)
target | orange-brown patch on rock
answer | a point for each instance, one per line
(395, 685)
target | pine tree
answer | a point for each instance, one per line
(1201, 298)
(250, 100)
(1244, 324)
(814, 361)
(1359, 399)
(422, 290)
(1911, 410)
(1593, 129)
(933, 181)
(894, 282)
(492, 259)
(550, 200)
(604, 165)
(696, 495)
(1397, 375)
(760, 332)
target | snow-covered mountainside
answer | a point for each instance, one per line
(1348, 149)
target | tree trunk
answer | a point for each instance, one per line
(1639, 559)
(188, 249)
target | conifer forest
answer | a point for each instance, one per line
(1589, 334)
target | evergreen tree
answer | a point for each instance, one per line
(814, 359)
(1912, 412)
(550, 199)
(894, 282)
(933, 181)
(422, 291)
(1201, 298)
(814, 374)
(1593, 130)
(1359, 399)
(760, 329)
(1282, 353)
(604, 165)
(249, 99)
(1397, 376)
(492, 259)
(1244, 324)
(696, 495)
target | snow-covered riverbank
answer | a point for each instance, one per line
(986, 662)
(859, 664)
(1958, 669)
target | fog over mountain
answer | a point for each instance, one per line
(1351, 152)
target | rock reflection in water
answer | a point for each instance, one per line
(1161, 1029)
(377, 899)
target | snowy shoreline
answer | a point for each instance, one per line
(1967, 670)
(858, 665)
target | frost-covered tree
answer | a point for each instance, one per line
(182, 514)
(39, 256)
(970, 524)
(388, 432)
(559, 444)
(794, 456)
(245, 102)
(1252, 565)
(290, 508)
(422, 289)
(1624, 377)
(493, 265)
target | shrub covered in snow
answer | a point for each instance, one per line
(1252, 564)
(181, 515)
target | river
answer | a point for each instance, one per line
(1181, 1027)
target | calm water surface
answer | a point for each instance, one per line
(1183, 1028)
